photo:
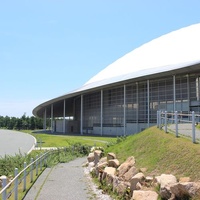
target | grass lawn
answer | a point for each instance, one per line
(51, 140)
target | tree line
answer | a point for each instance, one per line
(24, 122)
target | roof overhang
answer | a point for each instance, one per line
(153, 73)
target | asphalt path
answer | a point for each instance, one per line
(15, 142)
(184, 129)
(66, 181)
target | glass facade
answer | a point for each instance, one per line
(113, 106)
(132, 103)
(160, 96)
(131, 106)
(142, 100)
(91, 110)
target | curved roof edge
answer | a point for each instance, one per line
(186, 67)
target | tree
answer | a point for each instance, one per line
(12, 123)
(25, 122)
(2, 123)
(18, 124)
(32, 123)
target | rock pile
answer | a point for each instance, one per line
(131, 183)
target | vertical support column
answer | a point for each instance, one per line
(81, 115)
(16, 184)
(137, 111)
(157, 119)
(160, 119)
(197, 87)
(40, 161)
(52, 118)
(45, 119)
(101, 112)
(64, 116)
(193, 128)
(174, 92)
(176, 123)
(74, 108)
(124, 109)
(36, 164)
(31, 170)
(24, 187)
(148, 103)
(4, 182)
(188, 91)
(165, 121)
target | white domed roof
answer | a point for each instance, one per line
(181, 46)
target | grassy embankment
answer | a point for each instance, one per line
(161, 153)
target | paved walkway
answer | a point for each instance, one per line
(184, 129)
(13, 142)
(65, 181)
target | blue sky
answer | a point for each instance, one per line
(50, 47)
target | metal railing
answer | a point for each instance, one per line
(12, 188)
(21, 177)
(165, 119)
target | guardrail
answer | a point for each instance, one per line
(166, 118)
(11, 189)
(21, 177)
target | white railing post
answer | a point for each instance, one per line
(176, 122)
(36, 163)
(40, 160)
(165, 121)
(159, 119)
(16, 184)
(193, 127)
(4, 182)
(24, 189)
(31, 170)
(45, 160)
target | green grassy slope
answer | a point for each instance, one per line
(161, 153)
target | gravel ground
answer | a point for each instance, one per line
(66, 181)
(98, 194)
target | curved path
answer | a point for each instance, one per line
(64, 181)
(15, 142)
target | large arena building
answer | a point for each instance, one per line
(123, 99)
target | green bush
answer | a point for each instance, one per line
(118, 140)
(9, 163)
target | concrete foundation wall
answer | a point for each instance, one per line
(131, 128)
(70, 126)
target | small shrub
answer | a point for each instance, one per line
(118, 140)
(9, 163)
